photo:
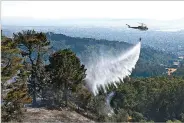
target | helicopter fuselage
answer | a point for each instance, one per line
(142, 28)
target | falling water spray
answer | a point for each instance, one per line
(105, 70)
(108, 105)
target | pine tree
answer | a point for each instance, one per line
(66, 71)
(32, 45)
(14, 91)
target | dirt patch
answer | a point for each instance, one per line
(44, 115)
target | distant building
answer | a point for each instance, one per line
(176, 64)
(181, 57)
(163, 65)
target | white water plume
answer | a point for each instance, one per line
(102, 70)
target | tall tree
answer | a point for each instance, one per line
(66, 71)
(14, 90)
(32, 45)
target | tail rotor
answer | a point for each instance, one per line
(128, 25)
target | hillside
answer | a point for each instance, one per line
(44, 115)
(60, 90)
(151, 63)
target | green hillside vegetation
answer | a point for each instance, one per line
(59, 83)
(151, 99)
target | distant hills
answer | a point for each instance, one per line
(159, 49)
(167, 41)
(151, 63)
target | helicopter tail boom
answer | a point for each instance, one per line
(128, 25)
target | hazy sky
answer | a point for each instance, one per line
(159, 10)
(156, 14)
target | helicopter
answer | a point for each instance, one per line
(143, 27)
